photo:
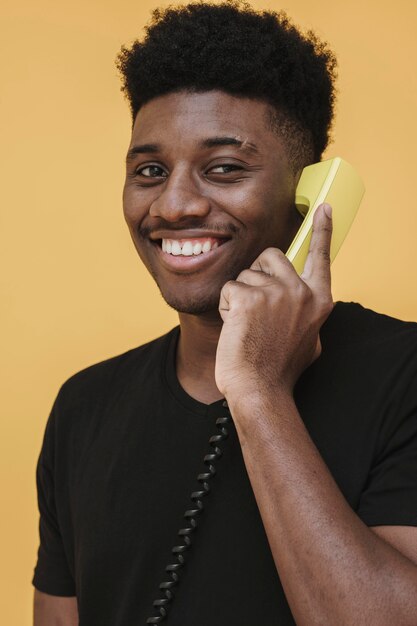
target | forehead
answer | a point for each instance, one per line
(190, 116)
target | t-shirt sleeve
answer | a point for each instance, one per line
(390, 495)
(51, 573)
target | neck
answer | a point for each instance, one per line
(196, 355)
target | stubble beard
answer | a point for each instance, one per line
(191, 305)
(198, 302)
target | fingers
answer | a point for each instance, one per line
(316, 271)
(273, 261)
(273, 267)
(255, 278)
(232, 293)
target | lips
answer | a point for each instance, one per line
(188, 264)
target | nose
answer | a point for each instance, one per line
(180, 197)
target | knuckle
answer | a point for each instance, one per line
(228, 285)
(303, 292)
(320, 250)
(303, 295)
(258, 295)
(324, 253)
(254, 300)
(244, 274)
(321, 228)
(326, 307)
(272, 253)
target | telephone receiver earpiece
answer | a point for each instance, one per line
(333, 181)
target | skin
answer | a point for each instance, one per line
(247, 321)
(54, 610)
(255, 203)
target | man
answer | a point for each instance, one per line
(310, 517)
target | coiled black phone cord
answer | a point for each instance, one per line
(162, 605)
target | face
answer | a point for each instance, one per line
(204, 170)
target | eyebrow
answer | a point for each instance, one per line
(210, 142)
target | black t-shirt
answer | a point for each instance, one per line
(123, 447)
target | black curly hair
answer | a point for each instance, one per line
(243, 52)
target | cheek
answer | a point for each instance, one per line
(260, 213)
(261, 199)
(127, 203)
(133, 206)
(247, 204)
(268, 221)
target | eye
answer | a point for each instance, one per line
(226, 167)
(151, 171)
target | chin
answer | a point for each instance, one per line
(192, 305)
(195, 294)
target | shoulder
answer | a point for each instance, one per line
(351, 324)
(372, 350)
(85, 397)
(95, 381)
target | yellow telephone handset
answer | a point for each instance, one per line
(333, 181)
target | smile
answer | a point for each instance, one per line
(189, 247)
(189, 254)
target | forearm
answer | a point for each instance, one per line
(333, 568)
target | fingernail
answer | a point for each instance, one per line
(328, 210)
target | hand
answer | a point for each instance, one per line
(272, 318)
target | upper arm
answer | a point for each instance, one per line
(54, 610)
(53, 573)
(402, 538)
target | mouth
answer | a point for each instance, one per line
(189, 255)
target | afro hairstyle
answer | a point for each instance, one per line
(233, 48)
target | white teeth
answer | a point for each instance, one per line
(187, 248)
(175, 248)
(172, 246)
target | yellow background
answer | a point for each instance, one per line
(74, 291)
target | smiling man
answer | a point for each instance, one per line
(304, 510)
